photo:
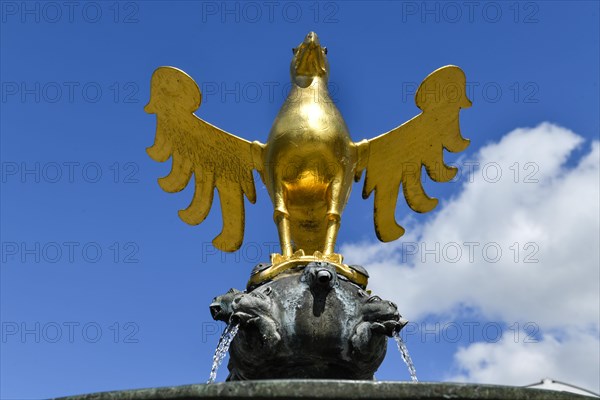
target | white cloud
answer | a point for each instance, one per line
(544, 217)
(565, 358)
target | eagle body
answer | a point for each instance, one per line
(309, 160)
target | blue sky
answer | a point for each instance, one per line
(104, 288)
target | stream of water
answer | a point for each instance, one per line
(406, 357)
(222, 348)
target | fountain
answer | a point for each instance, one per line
(306, 325)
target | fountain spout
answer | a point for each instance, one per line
(308, 322)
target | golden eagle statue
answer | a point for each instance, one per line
(308, 162)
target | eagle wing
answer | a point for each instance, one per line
(396, 158)
(215, 158)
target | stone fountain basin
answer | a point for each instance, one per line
(331, 389)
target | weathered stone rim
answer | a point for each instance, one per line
(331, 389)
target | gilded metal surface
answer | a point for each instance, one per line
(397, 157)
(215, 157)
(281, 264)
(309, 160)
